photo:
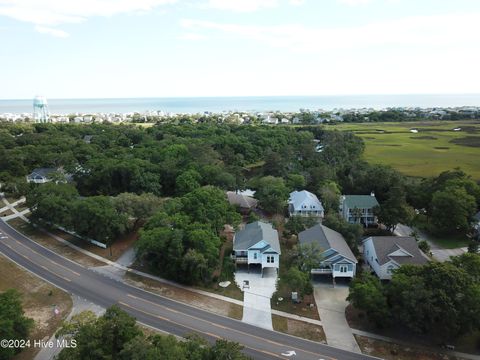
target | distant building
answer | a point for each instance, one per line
(304, 203)
(257, 244)
(40, 175)
(338, 259)
(244, 202)
(359, 208)
(383, 254)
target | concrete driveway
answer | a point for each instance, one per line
(331, 303)
(256, 300)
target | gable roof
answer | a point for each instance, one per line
(43, 172)
(298, 198)
(360, 201)
(241, 200)
(255, 232)
(327, 239)
(386, 246)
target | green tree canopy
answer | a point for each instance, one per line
(272, 194)
(13, 323)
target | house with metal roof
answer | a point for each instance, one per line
(338, 259)
(257, 244)
(304, 203)
(358, 209)
(383, 254)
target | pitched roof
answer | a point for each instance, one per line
(385, 246)
(327, 239)
(360, 201)
(255, 232)
(297, 198)
(44, 172)
(241, 200)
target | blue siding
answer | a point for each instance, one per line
(349, 267)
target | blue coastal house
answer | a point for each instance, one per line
(337, 258)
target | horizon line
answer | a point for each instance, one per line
(243, 96)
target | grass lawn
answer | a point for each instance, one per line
(21, 207)
(298, 328)
(232, 291)
(449, 241)
(422, 154)
(6, 212)
(445, 241)
(39, 299)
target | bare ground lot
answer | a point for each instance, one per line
(389, 351)
(197, 300)
(39, 299)
(299, 328)
(111, 253)
(357, 320)
(52, 244)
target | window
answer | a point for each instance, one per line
(270, 259)
(255, 256)
(343, 268)
(389, 269)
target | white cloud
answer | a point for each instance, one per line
(51, 31)
(241, 5)
(296, 2)
(48, 13)
(428, 31)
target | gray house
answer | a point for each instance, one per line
(383, 254)
(338, 260)
(40, 175)
(257, 244)
(358, 208)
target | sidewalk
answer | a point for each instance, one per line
(114, 268)
(11, 206)
(79, 305)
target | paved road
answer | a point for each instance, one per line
(438, 253)
(156, 311)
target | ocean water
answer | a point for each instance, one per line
(254, 103)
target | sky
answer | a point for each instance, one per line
(181, 48)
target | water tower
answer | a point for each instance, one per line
(40, 109)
